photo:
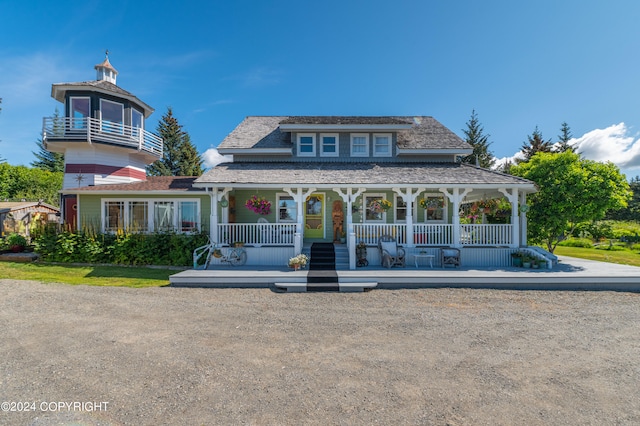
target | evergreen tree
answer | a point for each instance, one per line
(1, 159)
(479, 141)
(535, 143)
(564, 138)
(179, 157)
(47, 160)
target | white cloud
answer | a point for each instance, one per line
(615, 144)
(212, 158)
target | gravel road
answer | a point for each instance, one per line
(169, 356)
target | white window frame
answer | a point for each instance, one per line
(366, 148)
(396, 205)
(177, 213)
(288, 197)
(375, 144)
(313, 144)
(336, 136)
(445, 212)
(79, 123)
(112, 126)
(365, 208)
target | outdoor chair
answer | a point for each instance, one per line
(450, 257)
(390, 253)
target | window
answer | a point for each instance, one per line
(114, 216)
(401, 209)
(112, 116)
(138, 216)
(436, 208)
(163, 215)
(306, 145)
(80, 110)
(137, 122)
(188, 216)
(372, 213)
(152, 215)
(382, 145)
(330, 147)
(359, 145)
(287, 209)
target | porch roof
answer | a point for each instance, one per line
(289, 174)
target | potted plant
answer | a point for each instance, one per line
(526, 262)
(16, 242)
(343, 237)
(299, 261)
(258, 205)
(516, 258)
(238, 244)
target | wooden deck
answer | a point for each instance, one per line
(569, 274)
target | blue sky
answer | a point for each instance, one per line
(518, 64)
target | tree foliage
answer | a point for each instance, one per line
(45, 159)
(20, 182)
(180, 157)
(535, 143)
(480, 142)
(571, 190)
(632, 211)
(563, 138)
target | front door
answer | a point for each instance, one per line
(314, 216)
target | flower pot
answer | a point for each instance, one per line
(526, 265)
(17, 248)
(517, 261)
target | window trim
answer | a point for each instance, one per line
(366, 148)
(398, 199)
(151, 228)
(322, 144)
(365, 207)
(81, 125)
(445, 211)
(280, 196)
(299, 136)
(389, 145)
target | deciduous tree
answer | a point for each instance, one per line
(571, 190)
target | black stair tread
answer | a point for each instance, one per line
(322, 274)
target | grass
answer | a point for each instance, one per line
(117, 276)
(624, 257)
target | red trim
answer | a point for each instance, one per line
(100, 169)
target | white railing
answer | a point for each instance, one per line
(433, 235)
(371, 233)
(486, 235)
(437, 234)
(257, 234)
(92, 129)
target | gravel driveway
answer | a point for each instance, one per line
(155, 356)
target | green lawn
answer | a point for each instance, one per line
(119, 276)
(624, 257)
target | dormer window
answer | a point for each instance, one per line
(329, 147)
(359, 145)
(306, 145)
(382, 145)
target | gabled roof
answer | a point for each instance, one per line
(153, 184)
(8, 206)
(353, 174)
(414, 133)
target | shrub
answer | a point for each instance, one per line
(577, 242)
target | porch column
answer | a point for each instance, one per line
(349, 197)
(409, 196)
(515, 222)
(523, 221)
(299, 196)
(213, 217)
(455, 198)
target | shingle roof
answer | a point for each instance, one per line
(153, 183)
(263, 131)
(287, 173)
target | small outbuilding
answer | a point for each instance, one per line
(22, 216)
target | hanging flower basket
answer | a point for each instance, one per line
(258, 205)
(432, 203)
(380, 206)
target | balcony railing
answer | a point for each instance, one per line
(94, 130)
(257, 234)
(438, 234)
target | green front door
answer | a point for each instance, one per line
(314, 216)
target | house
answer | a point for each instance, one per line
(391, 175)
(294, 181)
(22, 216)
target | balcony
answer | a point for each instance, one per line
(57, 129)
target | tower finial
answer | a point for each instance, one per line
(106, 53)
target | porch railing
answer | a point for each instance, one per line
(92, 129)
(257, 234)
(438, 234)
(486, 235)
(371, 233)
